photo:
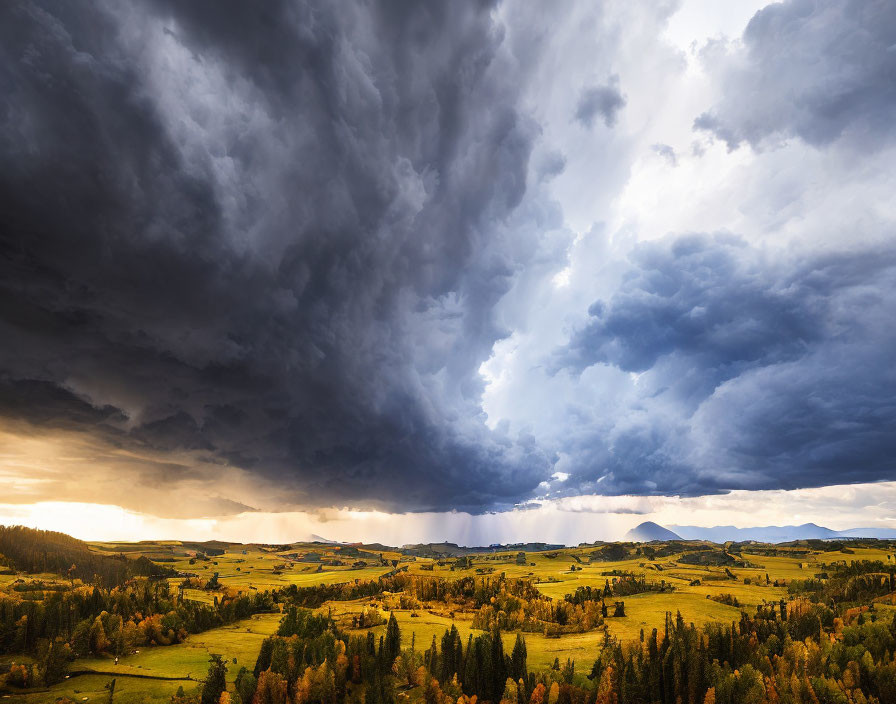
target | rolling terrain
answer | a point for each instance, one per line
(228, 597)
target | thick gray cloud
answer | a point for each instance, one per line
(757, 373)
(280, 254)
(267, 248)
(814, 69)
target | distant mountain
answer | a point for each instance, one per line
(319, 539)
(881, 533)
(649, 531)
(779, 534)
(763, 534)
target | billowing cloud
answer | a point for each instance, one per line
(814, 69)
(281, 255)
(380, 257)
(752, 372)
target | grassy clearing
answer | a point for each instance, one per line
(644, 611)
(252, 567)
(240, 641)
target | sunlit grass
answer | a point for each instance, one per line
(254, 567)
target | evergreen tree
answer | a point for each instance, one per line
(449, 662)
(498, 676)
(431, 658)
(245, 685)
(518, 667)
(568, 672)
(264, 657)
(473, 668)
(371, 694)
(458, 656)
(383, 663)
(393, 639)
(215, 680)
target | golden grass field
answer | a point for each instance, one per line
(553, 578)
(644, 611)
(262, 568)
(240, 641)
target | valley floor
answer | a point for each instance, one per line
(134, 675)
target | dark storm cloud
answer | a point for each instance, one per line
(604, 101)
(758, 373)
(271, 235)
(712, 301)
(816, 69)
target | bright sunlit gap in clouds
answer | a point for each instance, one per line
(569, 520)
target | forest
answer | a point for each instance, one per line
(193, 623)
(30, 550)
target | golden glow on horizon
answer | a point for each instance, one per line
(38, 466)
(569, 520)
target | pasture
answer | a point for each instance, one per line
(742, 577)
(183, 664)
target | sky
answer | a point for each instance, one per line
(480, 272)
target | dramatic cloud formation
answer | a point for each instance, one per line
(777, 369)
(280, 254)
(815, 69)
(415, 258)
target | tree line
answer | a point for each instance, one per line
(801, 651)
(470, 591)
(28, 550)
(310, 660)
(95, 621)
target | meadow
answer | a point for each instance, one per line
(747, 576)
(553, 578)
(181, 665)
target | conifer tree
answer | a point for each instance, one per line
(498, 675)
(471, 672)
(215, 680)
(431, 658)
(393, 639)
(518, 667)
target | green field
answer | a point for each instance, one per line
(643, 611)
(250, 566)
(242, 569)
(240, 641)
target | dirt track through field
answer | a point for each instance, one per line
(78, 673)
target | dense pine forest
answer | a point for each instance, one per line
(37, 551)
